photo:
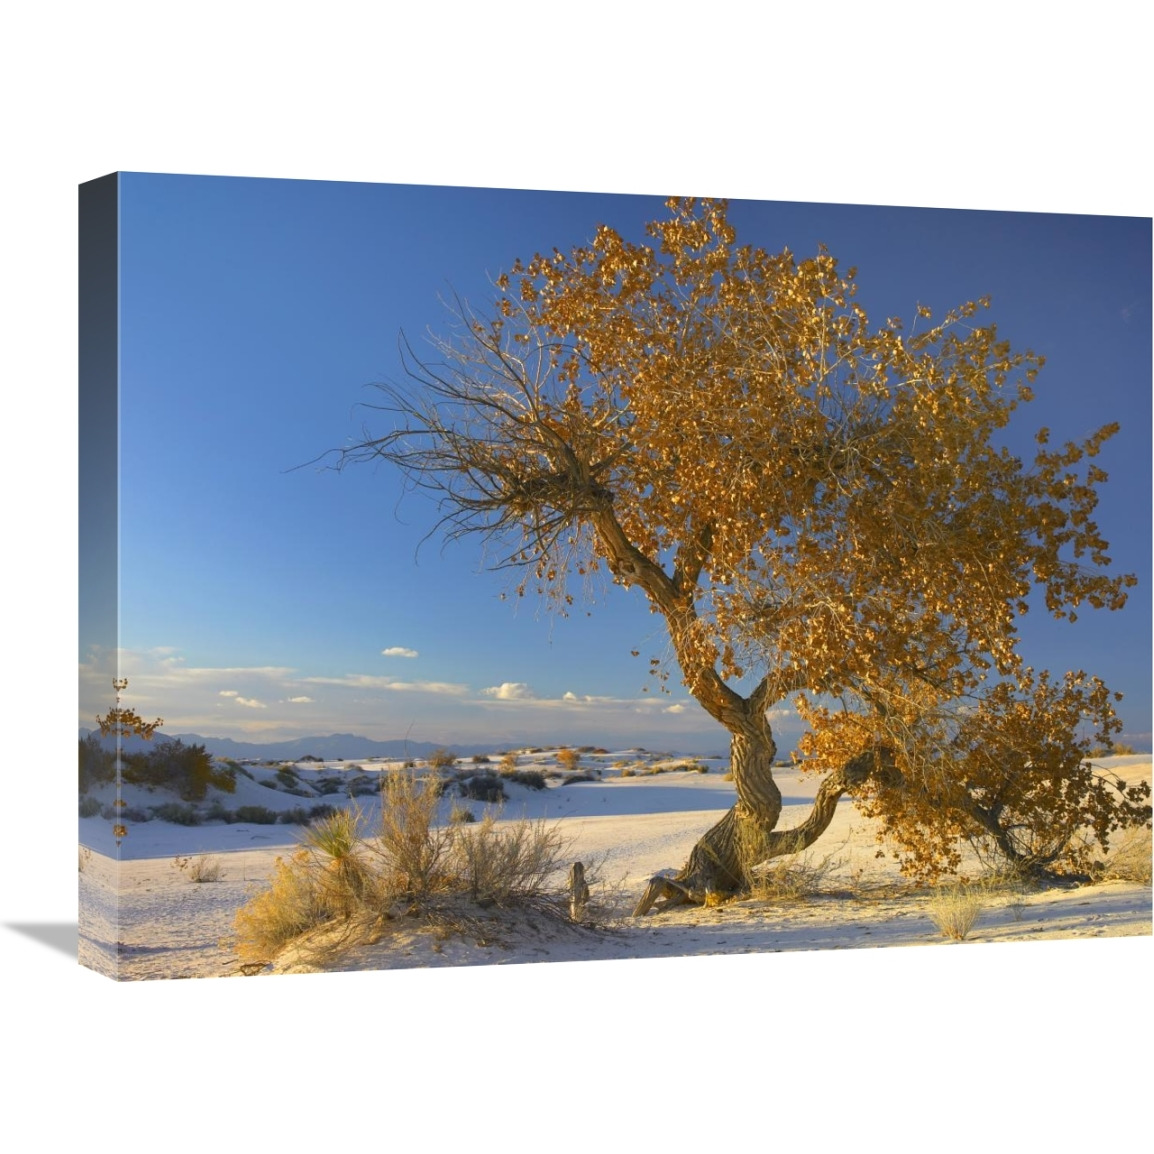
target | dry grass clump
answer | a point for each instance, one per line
(199, 868)
(787, 877)
(954, 909)
(1130, 859)
(345, 884)
(509, 863)
(791, 878)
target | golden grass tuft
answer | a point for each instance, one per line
(345, 885)
(1130, 859)
(955, 908)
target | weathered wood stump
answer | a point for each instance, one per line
(578, 891)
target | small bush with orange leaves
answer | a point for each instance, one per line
(1008, 774)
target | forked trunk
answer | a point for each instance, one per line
(721, 862)
(718, 864)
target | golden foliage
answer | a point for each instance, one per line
(1009, 772)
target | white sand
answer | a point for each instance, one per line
(628, 827)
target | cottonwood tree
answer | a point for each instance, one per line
(815, 505)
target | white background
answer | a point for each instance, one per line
(902, 1049)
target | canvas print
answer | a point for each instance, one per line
(483, 576)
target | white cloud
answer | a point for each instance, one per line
(368, 681)
(399, 651)
(229, 693)
(249, 702)
(678, 708)
(510, 691)
(300, 700)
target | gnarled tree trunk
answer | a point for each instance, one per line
(721, 862)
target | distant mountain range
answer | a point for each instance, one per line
(336, 745)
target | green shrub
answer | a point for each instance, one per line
(178, 814)
(531, 778)
(97, 764)
(255, 814)
(483, 787)
(187, 769)
(298, 815)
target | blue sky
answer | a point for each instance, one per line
(263, 600)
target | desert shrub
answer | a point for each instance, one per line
(573, 778)
(290, 905)
(508, 763)
(342, 878)
(328, 785)
(256, 814)
(482, 787)
(788, 877)
(353, 885)
(135, 814)
(628, 771)
(298, 815)
(235, 768)
(270, 783)
(178, 814)
(442, 759)
(187, 769)
(503, 863)
(1010, 776)
(1116, 749)
(287, 777)
(409, 848)
(480, 759)
(1130, 859)
(568, 759)
(89, 807)
(320, 810)
(96, 764)
(954, 909)
(461, 814)
(531, 778)
(199, 868)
